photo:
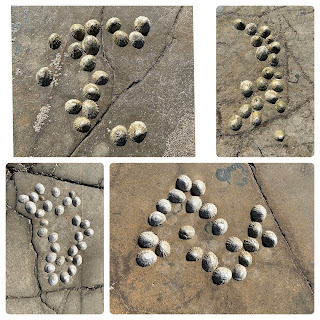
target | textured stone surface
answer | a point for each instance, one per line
(293, 28)
(22, 236)
(277, 281)
(153, 84)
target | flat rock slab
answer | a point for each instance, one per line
(277, 281)
(293, 28)
(153, 85)
(24, 244)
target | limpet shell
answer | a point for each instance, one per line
(77, 260)
(142, 24)
(279, 135)
(239, 24)
(76, 201)
(76, 220)
(85, 224)
(262, 84)
(44, 76)
(120, 38)
(274, 47)
(82, 245)
(146, 258)
(269, 39)
(119, 135)
(250, 245)
(193, 204)
(113, 24)
(40, 213)
(239, 272)
(39, 188)
(256, 41)
(251, 28)
(92, 27)
(176, 196)
(273, 59)
(246, 88)
(257, 103)
(64, 277)
(82, 124)
(245, 258)
(77, 31)
(221, 275)
(23, 198)
(60, 261)
(186, 232)
(258, 213)
(136, 39)
(42, 232)
(235, 122)
(254, 229)
(269, 239)
(53, 279)
(194, 254)
(69, 259)
(100, 77)
(51, 257)
(156, 219)
(30, 207)
(208, 211)
(73, 106)
(72, 194)
(73, 250)
(55, 247)
(89, 232)
(264, 31)
(268, 72)
(219, 227)
(54, 41)
(72, 270)
(55, 192)
(49, 267)
(278, 75)
(47, 205)
(277, 85)
(163, 249)
(271, 96)
(148, 239)
(75, 50)
(88, 62)
(44, 222)
(233, 244)
(262, 53)
(90, 45)
(78, 236)
(184, 183)
(59, 210)
(53, 237)
(91, 91)
(245, 111)
(210, 262)
(137, 131)
(198, 188)
(164, 206)
(33, 196)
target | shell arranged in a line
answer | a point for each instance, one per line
(239, 272)
(198, 188)
(55, 247)
(23, 198)
(273, 59)
(42, 232)
(64, 277)
(255, 118)
(88, 62)
(75, 50)
(251, 245)
(60, 261)
(257, 103)
(59, 210)
(73, 106)
(264, 31)
(184, 183)
(148, 239)
(235, 122)
(72, 194)
(136, 39)
(278, 75)
(44, 76)
(39, 188)
(34, 197)
(92, 27)
(262, 84)
(77, 31)
(142, 24)
(274, 47)
(164, 206)
(120, 38)
(221, 275)
(82, 124)
(156, 219)
(186, 232)
(113, 24)
(53, 279)
(90, 45)
(254, 229)
(193, 204)
(55, 192)
(219, 227)
(258, 213)
(239, 24)
(40, 213)
(246, 88)
(163, 249)
(245, 258)
(78, 236)
(85, 224)
(100, 77)
(47, 205)
(176, 196)
(54, 41)
(194, 254)
(67, 201)
(76, 201)
(245, 111)
(146, 258)
(77, 260)
(76, 220)
(119, 135)
(268, 72)
(256, 41)
(233, 244)
(72, 270)
(277, 85)
(251, 28)
(262, 53)
(210, 262)
(137, 131)
(92, 92)
(44, 222)
(51, 257)
(72, 251)
(280, 106)
(89, 232)
(49, 267)
(269, 39)
(53, 237)
(208, 211)
(279, 135)
(30, 207)
(82, 245)
(269, 239)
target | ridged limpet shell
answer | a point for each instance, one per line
(251, 28)
(42, 232)
(23, 198)
(239, 272)
(76, 220)
(90, 45)
(64, 277)
(245, 111)
(271, 96)
(34, 197)
(82, 124)
(76, 201)
(251, 245)
(51, 257)
(262, 84)
(113, 25)
(176, 196)
(73, 250)
(239, 24)
(73, 106)
(78, 236)
(194, 254)
(156, 219)
(120, 38)
(280, 106)
(258, 213)
(257, 103)
(245, 258)
(221, 275)
(55, 247)
(146, 258)
(254, 229)
(279, 135)
(77, 31)
(49, 267)
(39, 188)
(262, 53)
(210, 262)
(89, 232)
(264, 31)
(72, 270)
(193, 204)
(163, 249)
(44, 76)
(274, 47)
(268, 72)
(55, 192)
(198, 188)
(136, 39)
(186, 232)
(60, 261)
(77, 260)
(148, 239)
(92, 27)
(59, 210)
(273, 59)
(88, 62)
(53, 237)
(269, 239)
(119, 135)
(277, 85)
(82, 245)
(219, 227)
(137, 131)
(184, 183)
(100, 77)
(47, 205)
(246, 88)
(256, 41)
(75, 50)
(54, 40)
(208, 211)
(256, 118)
(40, 213)
(233, 244)
(91, 91)
(85, 224)
(30, 207)
(164, 206)
(142, 24)
(53, 279)
(269, 39)
(235, 122)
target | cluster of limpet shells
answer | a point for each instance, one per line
(266, 53)
(52, 259)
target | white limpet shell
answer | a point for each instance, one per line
(269, 239)
(198, 188)
(254, 229)
(235, 122)
(53, 237)
(176, 196)
(72, 194)
(186, 232)
(146, 258)
(30, 207)
(142, 24)
(77, 260)
(148, 239)
(76, 201)
(208, 211)
(210, 262)
(44, 222)
(72, 270)
(251, 245)
(40, 213)
(59, 210)
(163, 206)
(184, 183)
(219, 227)
(246, 88)
(245, 258)
(34, 197)
(53, 279)
(82, 245)
(193, 204)
(23, 198)
(67, 201)
(64, 277)
(78, 236)
(271, 96)
(55, 247)
(89, 232)
(194, 254)
(73, 250)
(156, 219)
(60, 261)
(239, 272)
(221, 275)
(39, 187)
(85, 224)
(51, 257)
(70, 259)
(76, 220)
(234, 244)
(47, 205)
(163, 248)
(136, 39)
(49, 267)
(42, 232)
(258, 213)
(55, 192)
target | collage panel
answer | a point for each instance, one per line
(54, 238)
(211, 238)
